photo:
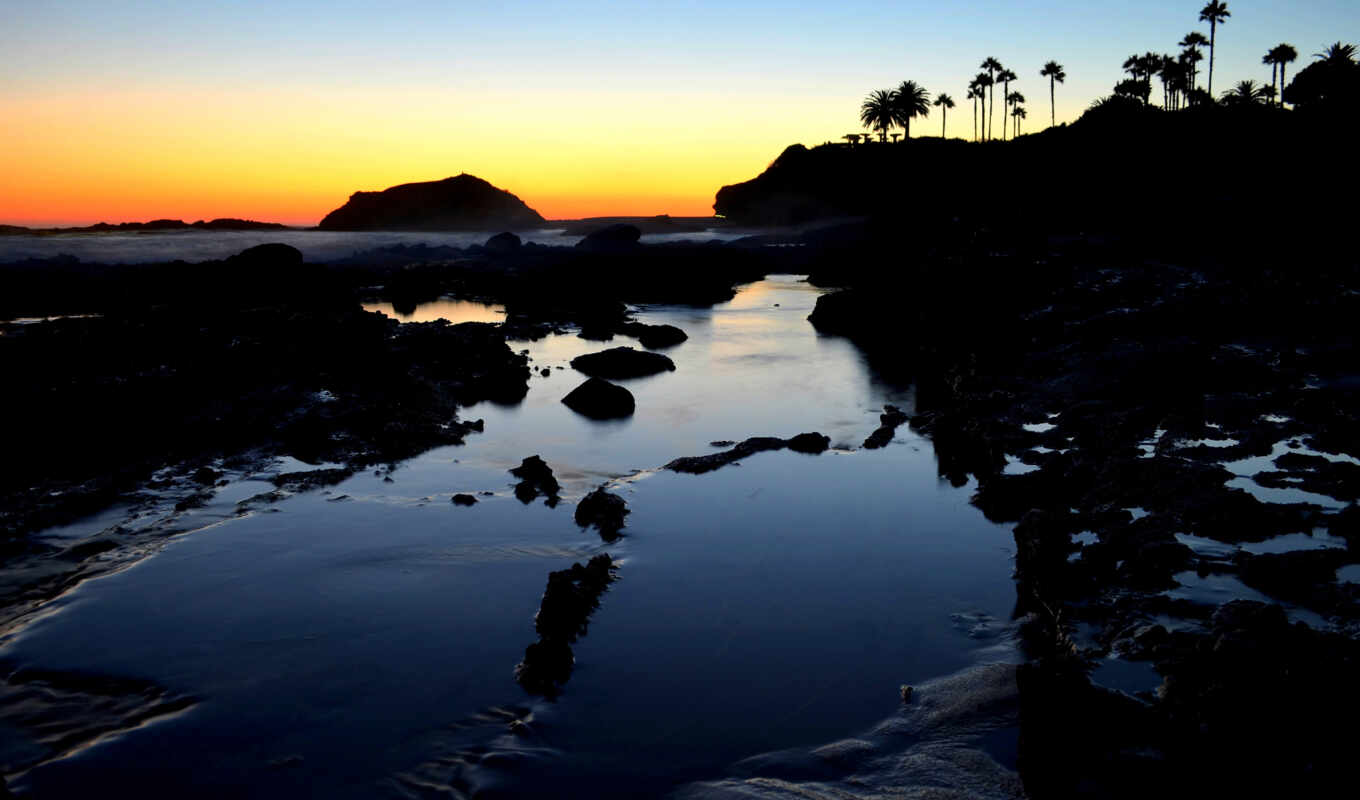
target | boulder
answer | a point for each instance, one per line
(501, 243)
(622, 362)
(654, 337)
(612, 239)
(600, 399)
(464, 500)
(809, 443)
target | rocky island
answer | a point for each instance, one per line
(460, 203)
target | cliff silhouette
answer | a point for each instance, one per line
(464, 202)
(1116, 168)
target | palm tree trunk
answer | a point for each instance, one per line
(1052, 111)
(944, 114)
(991, 109)
(1213, 35)
(1282, 68)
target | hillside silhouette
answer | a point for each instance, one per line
(464, 202)
(1122, 166)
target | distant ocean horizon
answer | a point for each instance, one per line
(316, 246)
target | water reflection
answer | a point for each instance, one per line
(455, 311)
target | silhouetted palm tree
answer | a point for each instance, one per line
(1054, 72)
(1192, 42)
(1013, 99)
(1018, 113)
(1005, 76)
(992, 66)
(1213, 13)
(1245, 93)
(984, 82)
(909, 101)
(1337, 54)
(1285, 54)
(974, 91)
(878, 111)
(944, 102)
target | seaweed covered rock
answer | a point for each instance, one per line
(536, 478)
(600, 399)
(563, 616)
(603, 510)
(622, 362)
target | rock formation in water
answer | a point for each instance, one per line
(464, 202)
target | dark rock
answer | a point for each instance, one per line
(654, 337)
(596, 333)
(463, 202)
(612, 239)
(722, 443)
(889, 421)
(536, 478)
(503, 243)
(600, 399)
(563, 616)
(697, 465)
(622, 362)
(603, 510)
(545, 372)
(464, 500)
(809, 443)
(206, 476)
(272, 255)
(311, 479)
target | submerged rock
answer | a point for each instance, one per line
(600, 399)
(622, 362)
(536, 478)
(603, 510)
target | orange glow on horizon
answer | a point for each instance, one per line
(291, 157)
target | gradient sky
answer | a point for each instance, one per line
(279, 110)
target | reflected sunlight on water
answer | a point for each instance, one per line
(455, 311)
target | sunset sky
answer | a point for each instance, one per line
(279, 110)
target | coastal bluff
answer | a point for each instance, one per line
(460, 203)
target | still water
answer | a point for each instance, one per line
(359, 641)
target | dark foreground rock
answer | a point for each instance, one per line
(563, 617)
(536, 478)
(603, 510)
(464, 500)
(811, 443)
(622, 362)
(600, 399)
